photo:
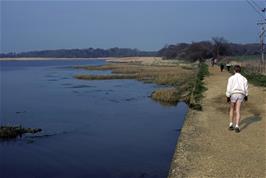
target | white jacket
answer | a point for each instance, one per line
(237, 84)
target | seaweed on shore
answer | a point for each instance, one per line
(11, 132)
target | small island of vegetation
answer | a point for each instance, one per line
(11, 132)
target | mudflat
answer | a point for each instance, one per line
(206, 148)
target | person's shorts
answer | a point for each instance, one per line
(237, 97)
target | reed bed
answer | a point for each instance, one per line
(166, 95)
(173, 77)
(162, 75)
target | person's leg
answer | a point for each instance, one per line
(231, 115)
(237, 109)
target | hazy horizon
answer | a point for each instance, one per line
(46, 25)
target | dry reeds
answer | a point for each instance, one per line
(172, 76)
(166, 95)
(163, 75)
(254, 66)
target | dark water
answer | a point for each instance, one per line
(97, 129)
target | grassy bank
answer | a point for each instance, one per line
(197, 87)
(180, 83)
(9, 132)
(254, 78)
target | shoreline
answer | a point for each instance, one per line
(110, 59)
(43, 59)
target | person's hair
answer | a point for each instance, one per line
(237, 68)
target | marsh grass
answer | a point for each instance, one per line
(9, 132)
(105, 77)
(162, 75)
(177, 80)
(166, 95)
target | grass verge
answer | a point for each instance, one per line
(197, 88)
(254, 78)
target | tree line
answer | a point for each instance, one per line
(202, 50)
(83, 53)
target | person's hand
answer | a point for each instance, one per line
(246, 98)
(228, 99)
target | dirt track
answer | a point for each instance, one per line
(206, 148)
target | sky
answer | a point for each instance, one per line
(146, 25)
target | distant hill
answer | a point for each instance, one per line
(82, 53)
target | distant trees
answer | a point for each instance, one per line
(83, 53)
(194, 51)
(220, 46)
(202, 50)
(199, 51)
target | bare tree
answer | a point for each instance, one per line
(220, 46)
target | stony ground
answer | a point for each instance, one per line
(206, 148)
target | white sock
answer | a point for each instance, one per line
(231, 123)
(237, 125)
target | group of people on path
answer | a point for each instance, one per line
(222, 65)
(228, 66)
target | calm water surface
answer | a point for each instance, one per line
(95, 129)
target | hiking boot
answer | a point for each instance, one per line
(231, 127)
(237, 130)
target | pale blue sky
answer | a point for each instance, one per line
(29, 25)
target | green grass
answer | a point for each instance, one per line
(9, 132)
(254, 78)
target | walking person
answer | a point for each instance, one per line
(212, 61)
(228, 66)
(236, 93)
(222, 67)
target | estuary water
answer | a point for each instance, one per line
(91, 129)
